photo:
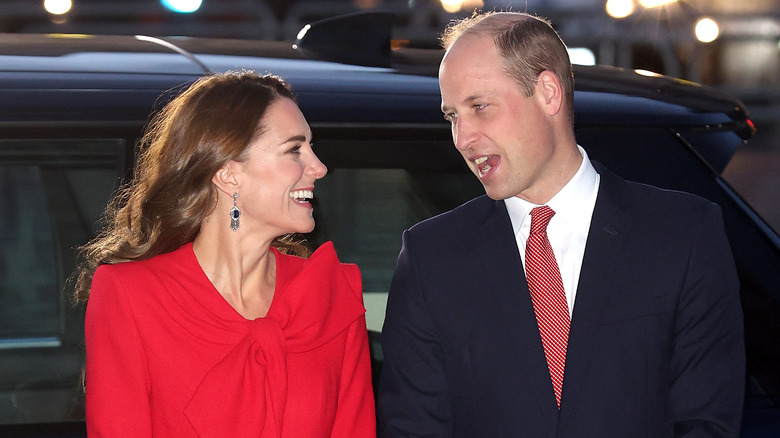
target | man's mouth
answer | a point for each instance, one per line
(484, 164)
(302, 196)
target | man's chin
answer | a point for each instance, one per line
(496, 196)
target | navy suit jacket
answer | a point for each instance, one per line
(655, 346)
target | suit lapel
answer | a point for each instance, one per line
(507, 285)
(605, 238)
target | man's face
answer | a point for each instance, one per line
(506, 138)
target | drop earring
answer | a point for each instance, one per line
(235, 213)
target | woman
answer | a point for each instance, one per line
(198, 324)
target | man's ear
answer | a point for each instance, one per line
(225, 178)
(549, 89)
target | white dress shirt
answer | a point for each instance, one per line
(568, 229)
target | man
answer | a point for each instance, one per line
(618, 319)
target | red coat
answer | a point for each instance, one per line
(167, 356)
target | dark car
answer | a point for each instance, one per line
(73, 107)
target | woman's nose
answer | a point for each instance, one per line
(316, 169)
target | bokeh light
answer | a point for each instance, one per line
(581, 56)
(452, 6)
(57, 7)
(707, 30)
(620, 8)
(183, 6)
(655, 3)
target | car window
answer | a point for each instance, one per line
(52, 194)
(365, 210)
(382, 180)
(29, 295)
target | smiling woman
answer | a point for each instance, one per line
(198, 323)
(276, 177)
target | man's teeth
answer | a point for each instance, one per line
(301, 195)
(484, 169)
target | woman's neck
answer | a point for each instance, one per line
(242, 269)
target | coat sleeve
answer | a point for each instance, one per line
(708, 353)
(414, 398)
(117, 382)
(356, 414)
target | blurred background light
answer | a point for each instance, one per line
(57, 7)
(581, 56)
(620, 8)
(644, 72)
(707, 30)
(453, 6)
(182, 6)
(655, 3)
(303, 31)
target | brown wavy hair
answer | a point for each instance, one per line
(212, 122)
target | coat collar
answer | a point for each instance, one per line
(508, 288)
(608, 229)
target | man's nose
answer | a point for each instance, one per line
(463, 134)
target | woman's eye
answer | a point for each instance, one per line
(295, 149)
(480, 106)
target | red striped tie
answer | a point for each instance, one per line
(547, 296)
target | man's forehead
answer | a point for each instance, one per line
(466, 45)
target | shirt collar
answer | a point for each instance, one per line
(568, 204)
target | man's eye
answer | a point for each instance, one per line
(450, 117)
(480, 106)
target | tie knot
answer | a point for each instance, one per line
(540, 217)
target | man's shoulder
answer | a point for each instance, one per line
(671, 201)
(466, 215)
(454, 234)
(650, 196)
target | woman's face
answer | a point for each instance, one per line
(276, 182)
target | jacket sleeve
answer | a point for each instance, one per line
(708, 353)
(117, 382)
(414, 398)
(356, 415)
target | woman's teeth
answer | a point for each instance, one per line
(301, 195)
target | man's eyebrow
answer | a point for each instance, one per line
(472, 98)
(467, 101)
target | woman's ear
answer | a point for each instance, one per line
(549, 88)
(225, 178)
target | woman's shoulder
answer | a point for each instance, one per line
(166, 278)
(151, 267)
